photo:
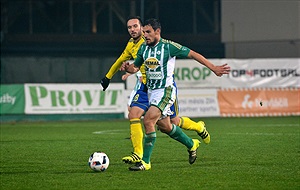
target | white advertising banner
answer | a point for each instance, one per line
(257, 73)
(245, 73)
(198, 102)
(127, 96)
(73, 98)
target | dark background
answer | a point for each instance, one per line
(72, 41)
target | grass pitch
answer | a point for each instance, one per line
(244, 153)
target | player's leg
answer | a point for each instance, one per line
(136, 135)
(150, 118)
(188, 124)
(172, 130)
(177, 134)
(183, 122)
(139, 106)
(159, 111)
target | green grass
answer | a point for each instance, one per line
(244, 153)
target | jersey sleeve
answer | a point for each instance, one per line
(125, 56)
(178, 50)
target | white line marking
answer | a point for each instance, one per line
(108, 132)
(266, 134)
(269, 125)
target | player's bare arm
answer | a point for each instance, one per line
(129, 68)
(218, 70)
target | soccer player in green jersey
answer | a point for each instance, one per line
(158, 55)
(140, 103)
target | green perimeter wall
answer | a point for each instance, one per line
(60, 117)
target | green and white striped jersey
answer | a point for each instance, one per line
(159, 62)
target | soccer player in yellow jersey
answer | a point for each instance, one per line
(140, 103)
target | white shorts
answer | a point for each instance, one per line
(163, 99)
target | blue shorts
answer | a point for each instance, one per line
(141, 100)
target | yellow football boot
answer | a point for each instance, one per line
(133, 158)
(204, 133)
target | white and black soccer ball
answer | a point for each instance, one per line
(99, 161)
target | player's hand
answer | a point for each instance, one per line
(222, 69)
(124, 66)
(104, 82)
(125, 76)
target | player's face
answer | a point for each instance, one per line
(151, 36)
(134, 28)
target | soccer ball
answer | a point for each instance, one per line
(99, 161)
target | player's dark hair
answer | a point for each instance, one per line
(154, 23)
(135, 17)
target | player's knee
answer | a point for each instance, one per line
(147, 122)
(132, 114)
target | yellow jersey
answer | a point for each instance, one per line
(130, 52)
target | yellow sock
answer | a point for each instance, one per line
(136, 134)
(188, 124)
